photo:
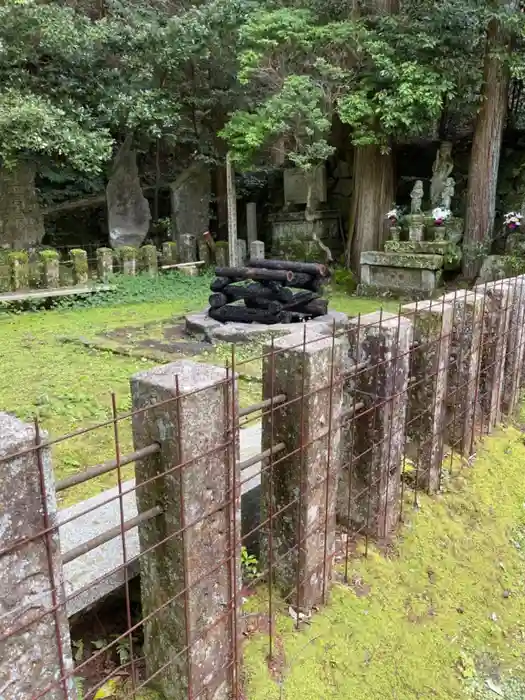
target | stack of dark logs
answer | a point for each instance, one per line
(269, 291)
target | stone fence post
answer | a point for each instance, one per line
(50, 262)
(369, 494)
(425, 421)
(463, 368)
(35, 648)
(190, 573)
(79, 260)
(303, 482)
(104, 264)
(18, 270)
(257, 250)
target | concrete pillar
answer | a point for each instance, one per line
(187, 248)
(79, 262)
(369, 493)
(18, 270)
(496, 320)
(104, 263)
(221, 254)
(251, 223)
(204, 252)
(169, 253)
(128, 260)
(425, 421)
(463, 368)
(50, 262)
(304, 479)
(149, 260)
(35, 649)
(241, 252)
(190, 580)
(257, 250)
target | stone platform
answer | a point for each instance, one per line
(201, 326)
(399, 272)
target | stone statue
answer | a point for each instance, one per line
(443, 166)
(417, 197)
(448, 193)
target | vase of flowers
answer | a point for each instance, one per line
(512, 220)
(393, 217)
(440, 216)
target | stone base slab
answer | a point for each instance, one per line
(202, 326)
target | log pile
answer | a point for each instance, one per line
(269, 291)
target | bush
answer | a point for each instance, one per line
(346, 279)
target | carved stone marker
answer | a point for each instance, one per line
(416, 197)
(128, 209)
(443, 166)
(190, 201)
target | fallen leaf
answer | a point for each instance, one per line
(108, 690)
(495, 688)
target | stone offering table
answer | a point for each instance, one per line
(404, 271)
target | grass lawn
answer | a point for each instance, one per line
(442, 617)
(68, 386)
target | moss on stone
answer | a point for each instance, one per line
(346, 279)
(429, 619)
(20, 257)
(419, 261)
(127, 252)
(49, 255)
(221, 244)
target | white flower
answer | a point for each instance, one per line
(440, 214)
(393, 214)
(512, 218)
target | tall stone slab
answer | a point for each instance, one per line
(189, 580)
(190, 201)
(496, 323)
(369, 489)
(463, 368)
(257, 250)
(35, 648)
(129, 214)
(251, 223)
(298, 493)
(425, 421)
(187, 248)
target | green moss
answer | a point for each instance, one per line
(80, 265)
(18, 257)
(221, 244)
(345, 279)
(103, 252)
(127, 252)
(434, 617)
(49, 255)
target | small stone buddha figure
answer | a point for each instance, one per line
(443, 166)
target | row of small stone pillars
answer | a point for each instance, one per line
(342, 415)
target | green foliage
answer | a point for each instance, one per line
(127, 252)
(249, 565)
(345, 279)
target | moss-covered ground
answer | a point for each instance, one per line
(68, 385)
(443, 616)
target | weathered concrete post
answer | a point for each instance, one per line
(187, 248)
(425, 420)
(35, 649)
(305, 476)
(257, 250)
(149, 260)
(104, 263)
(369, 493)
(128, 260)
(463, 368)
(204, 252)
(241, 252)
(188, 579)
(169, 253)
(221, 254)
(496, 320)
(79, 262)
(50, 261)
(18, 270)
(251, 222)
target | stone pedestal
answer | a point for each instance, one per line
(104, 263)
(416, 227)
(204, 252)
(295, 238)
(416, 274)
(221, 254)
(50, 265)
(194, 478)
(257, 250)
(187, 248)
(374, 438)
(32, 608)
(79, 263)
(169, 253)
(149, 261)
(305, 477)
(463, 368)
(128, 260)
(425, 426)
(241, 252)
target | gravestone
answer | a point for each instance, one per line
(190, 201)
(128, 210)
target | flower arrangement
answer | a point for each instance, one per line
(512, 220)
(440, 215)
(393, 216)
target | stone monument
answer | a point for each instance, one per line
(441, 170)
